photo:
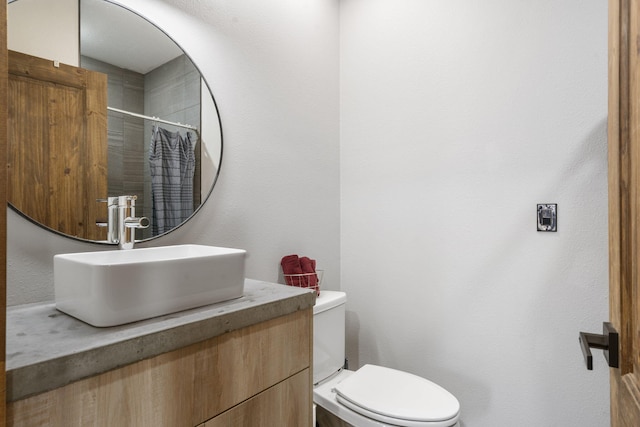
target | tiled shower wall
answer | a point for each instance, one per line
(125, 161)
(171, 92)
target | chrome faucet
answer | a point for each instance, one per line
(122, 221)
(128, 222)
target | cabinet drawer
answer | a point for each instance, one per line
(251, 361)
(286, 404)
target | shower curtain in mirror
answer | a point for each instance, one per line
(172, 161)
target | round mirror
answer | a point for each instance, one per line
(135, 118)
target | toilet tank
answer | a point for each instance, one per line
(328, 334)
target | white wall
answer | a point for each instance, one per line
(457, 118)
(45, 29)
(211, 141)
(274, 72)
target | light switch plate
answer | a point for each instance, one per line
(547, 217)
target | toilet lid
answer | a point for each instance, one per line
(384, 393)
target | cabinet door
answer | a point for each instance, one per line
(286, 404)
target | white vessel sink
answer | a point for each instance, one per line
(116, 287)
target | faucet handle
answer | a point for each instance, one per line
(110, 201)
(124, 200)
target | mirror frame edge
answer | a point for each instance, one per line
(218, 117)
(215, 104)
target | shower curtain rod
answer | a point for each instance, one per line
(155, 119)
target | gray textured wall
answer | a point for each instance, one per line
(127, 155)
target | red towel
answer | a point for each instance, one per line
(305, 267)
(309, 266)
(291, 265)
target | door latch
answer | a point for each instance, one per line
(608, 342)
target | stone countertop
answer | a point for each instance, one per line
(47, 349)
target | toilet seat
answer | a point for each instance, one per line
(397, 398)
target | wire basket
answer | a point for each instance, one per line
(305, 280)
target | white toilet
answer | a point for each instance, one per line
(372, 396)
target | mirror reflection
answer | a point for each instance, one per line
(157, 136)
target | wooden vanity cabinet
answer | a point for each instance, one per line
(256, 376)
